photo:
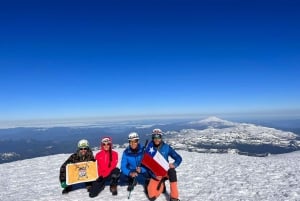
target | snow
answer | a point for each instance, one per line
(201, 177)
(225, 133)
(211, 120)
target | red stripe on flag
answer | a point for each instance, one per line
(154, 166)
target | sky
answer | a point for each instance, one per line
(79, 59)
(216, 177)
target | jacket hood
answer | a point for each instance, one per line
(106, 140)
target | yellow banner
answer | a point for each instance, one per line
(81, 172)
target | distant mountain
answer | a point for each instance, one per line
(222, 136)
(205, 135)
(213, 121)
(9, 156)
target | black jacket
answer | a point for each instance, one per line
(74, 158)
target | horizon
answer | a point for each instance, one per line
(71, 59)
(259, 137)
(106, 120)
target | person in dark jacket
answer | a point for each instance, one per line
(131, 170)
(107, 161)
(83, 153)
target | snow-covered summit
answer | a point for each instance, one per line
(218, 135)
(201, 177)
(213, 121)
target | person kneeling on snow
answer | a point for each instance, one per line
(156, 160)
(107, 160)
(131, 170)
(83, 154)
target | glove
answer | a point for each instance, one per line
(133, 174)
(63, 184)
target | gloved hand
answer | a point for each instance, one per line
(138, 170)
(133, 174)
(63, 184)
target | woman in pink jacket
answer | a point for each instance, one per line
(107, 160)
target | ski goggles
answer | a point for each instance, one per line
(106, 141)
(156, 136)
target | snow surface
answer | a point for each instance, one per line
(201, 177)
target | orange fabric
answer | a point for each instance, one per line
(152, 189)
(174, 190)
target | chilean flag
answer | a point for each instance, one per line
(155, 161)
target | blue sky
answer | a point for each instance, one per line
(65, 59)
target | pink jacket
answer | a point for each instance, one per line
(106, 163)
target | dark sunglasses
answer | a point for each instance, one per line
(105, 144)
(156, 136)
(83, 148)
(133, 141)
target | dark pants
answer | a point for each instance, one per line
(76, 186)
(141, 179)
(99, 184)
(172, 175)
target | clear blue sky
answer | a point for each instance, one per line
(61, 59)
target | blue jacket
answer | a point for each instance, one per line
(130, 160)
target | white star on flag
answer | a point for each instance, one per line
(151, 150)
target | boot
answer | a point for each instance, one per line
(67, 190)
(88, 188)
(96, 188)
(174, 199)
(113, 189)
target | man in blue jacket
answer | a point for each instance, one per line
(156, 185)
(131, 171)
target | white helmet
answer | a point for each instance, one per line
(133, 136)
(157, 131)
(83, 143)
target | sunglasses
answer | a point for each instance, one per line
(105, 144)
(133, 141)
(156, 136)
(83, 148)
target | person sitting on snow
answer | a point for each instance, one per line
(107, 160)
(83, 154)
(131, 170)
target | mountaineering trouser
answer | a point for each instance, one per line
(173, 183)
(156, 187)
